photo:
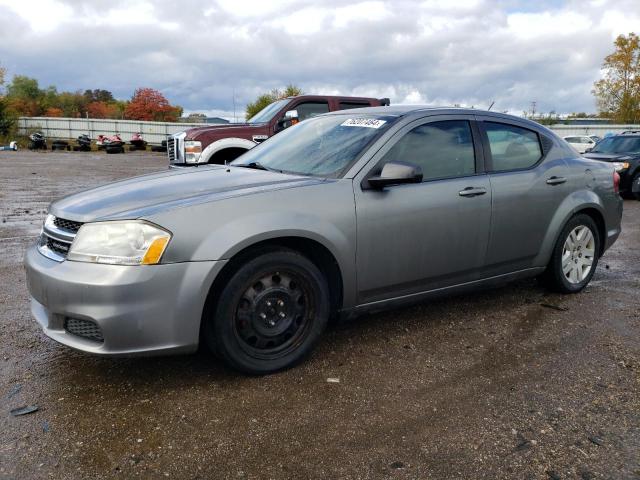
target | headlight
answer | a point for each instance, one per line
(192, 151)
(619, 166)
(119, 243)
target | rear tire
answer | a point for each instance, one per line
(270, 314)
(575, 256)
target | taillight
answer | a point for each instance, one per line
(616, 182)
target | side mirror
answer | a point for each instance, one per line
(396, 173)
(291, 115)
(588, 150)
(290, 118)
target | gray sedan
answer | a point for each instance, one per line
(343, 214)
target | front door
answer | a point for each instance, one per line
(418, 237)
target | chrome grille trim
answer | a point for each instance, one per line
(175, 146)
(56, 237)
(171, 149)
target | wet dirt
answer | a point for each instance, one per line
(494, 384)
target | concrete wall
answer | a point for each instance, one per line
(71, 128)
(155, 132)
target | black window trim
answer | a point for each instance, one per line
(487, 148)
(479, 154)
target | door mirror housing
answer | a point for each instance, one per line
(396, 173)
(290, 118)
(588, 150)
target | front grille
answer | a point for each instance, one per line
(57, 237)
(171, 149)
(61, 248)
(83, 328)
(68, 225)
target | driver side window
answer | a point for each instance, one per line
(442, 149)
(310, 109)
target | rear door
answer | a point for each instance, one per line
(418, 237)
(528, 187)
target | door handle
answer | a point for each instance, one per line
(556, 180)
(472, 191)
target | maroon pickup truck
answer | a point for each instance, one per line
(223, 143)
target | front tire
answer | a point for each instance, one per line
(634, 180)
(575, 256)
(270, 314)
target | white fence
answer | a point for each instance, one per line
(599, 130)
(155, 132)
(71, 128)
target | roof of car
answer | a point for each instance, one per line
(402, 110)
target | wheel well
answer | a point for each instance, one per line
(226, 155)
(599, 219)
(313, 250)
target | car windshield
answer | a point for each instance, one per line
(620, 144)
(268, 112)
(322, 146)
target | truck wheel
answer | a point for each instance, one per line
(270, 314)
(575, 256)
(634, 181)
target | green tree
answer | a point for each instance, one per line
(618, 93)
(268, 98)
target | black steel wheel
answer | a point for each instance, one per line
(270, 314)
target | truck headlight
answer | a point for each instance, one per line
(620, 166)
(119, 243)
(192, 151)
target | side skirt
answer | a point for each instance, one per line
(420, 297)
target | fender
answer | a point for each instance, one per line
(232, 237)
(574, 202)
(218, 145)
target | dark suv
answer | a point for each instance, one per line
(623, 151)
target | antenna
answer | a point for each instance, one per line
(491, 106)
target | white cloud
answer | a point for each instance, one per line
(203, 53)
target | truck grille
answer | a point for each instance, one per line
(57, 237)
(171, 149)
(83, 328)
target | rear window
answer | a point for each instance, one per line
(512, 147)
(350, 105)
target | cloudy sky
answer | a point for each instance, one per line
(204, 53)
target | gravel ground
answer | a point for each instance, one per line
(507, 383)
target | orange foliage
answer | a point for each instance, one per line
(102, 110)
(53, 112)
(150, 104)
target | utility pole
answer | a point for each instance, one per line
(234, 105)
(533, 109)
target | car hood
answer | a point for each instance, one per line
(148, 194)
(609, 157)
(224, 129)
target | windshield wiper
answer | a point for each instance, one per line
(254, 165)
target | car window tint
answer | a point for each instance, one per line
(572, 139)
(350, 105)
(309, 109)
(441, 149)
(586, 140)
(512, 147)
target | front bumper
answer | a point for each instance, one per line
(139, 310)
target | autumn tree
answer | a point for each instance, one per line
(618, 93)
(24, 96)
(7, 119)
(150, 104)
(268, 98)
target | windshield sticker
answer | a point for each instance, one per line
(363, 122)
